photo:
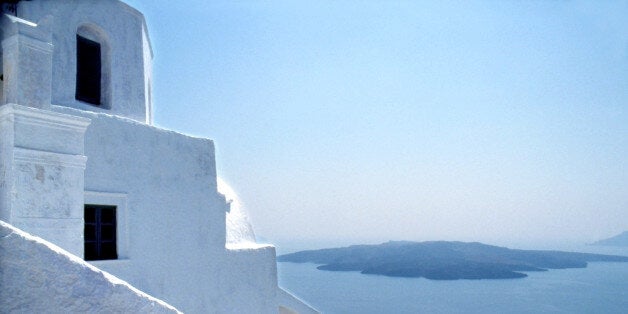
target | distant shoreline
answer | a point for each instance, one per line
(620, 240)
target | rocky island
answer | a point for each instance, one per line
(441, 260)
(618, 240)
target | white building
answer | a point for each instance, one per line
(84, 175)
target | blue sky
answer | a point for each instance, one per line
(366, 121)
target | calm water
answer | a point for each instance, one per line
(599, 288)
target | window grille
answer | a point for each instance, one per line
(100, 232)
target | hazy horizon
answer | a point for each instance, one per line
(364, 121)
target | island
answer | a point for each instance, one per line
(618, 240)
(443, 260)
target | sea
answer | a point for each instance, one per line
(602, 287)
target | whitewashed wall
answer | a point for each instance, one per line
(122, 30)
(41, 173)
(39, 277)
(173, 222)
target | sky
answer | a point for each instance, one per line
(369, 121)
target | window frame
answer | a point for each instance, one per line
(120, 201)
(100, 232)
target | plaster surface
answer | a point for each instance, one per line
(175, 219)
(41, 182)
(27, 59)
(37, 276)
(125, 48)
